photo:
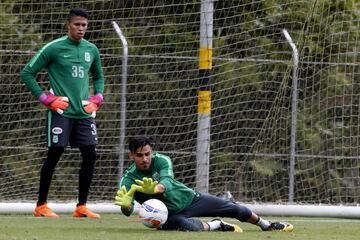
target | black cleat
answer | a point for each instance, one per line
(280, 226)
(228, 227)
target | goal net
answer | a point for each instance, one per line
(251, 83)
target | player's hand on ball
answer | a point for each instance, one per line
(55, 103)
(147, 186)
(124, 198)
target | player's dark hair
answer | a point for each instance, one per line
(140, 141)
(77, 12)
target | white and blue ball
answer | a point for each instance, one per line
(153, 213)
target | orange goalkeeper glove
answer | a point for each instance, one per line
(55, 103)
(92, 105)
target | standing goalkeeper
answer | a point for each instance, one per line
(68, 61)
(151, 176)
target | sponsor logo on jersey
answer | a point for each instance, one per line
(57, 130)
(87, 56)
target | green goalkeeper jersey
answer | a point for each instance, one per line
(177, 195)
(68, 64)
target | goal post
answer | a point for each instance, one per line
(204, 96)
(251, 144)
(293, 128)
(124, 67)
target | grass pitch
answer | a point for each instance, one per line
(114, 226)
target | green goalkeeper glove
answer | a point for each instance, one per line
(147, 186)
(124, 198)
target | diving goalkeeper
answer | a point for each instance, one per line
(151, 176)
(68, 61)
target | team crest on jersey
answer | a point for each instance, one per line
(87, 56)
(156, 176)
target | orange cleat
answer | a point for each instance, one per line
(44, 211)
(82, 212)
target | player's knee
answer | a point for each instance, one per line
(53, 156)
(243, 213)
(55, 152)
(88, 154)
(240, 212)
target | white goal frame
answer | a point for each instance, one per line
(330, 211)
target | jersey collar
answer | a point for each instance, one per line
(74, 42)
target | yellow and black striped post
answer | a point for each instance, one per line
(204, 97)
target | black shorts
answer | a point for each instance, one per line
(206, 205)
(61, 130)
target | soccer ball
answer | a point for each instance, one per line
(153, 213)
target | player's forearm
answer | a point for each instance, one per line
(98, 76)
(99, 85)
(29, 78)
(167, 183)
